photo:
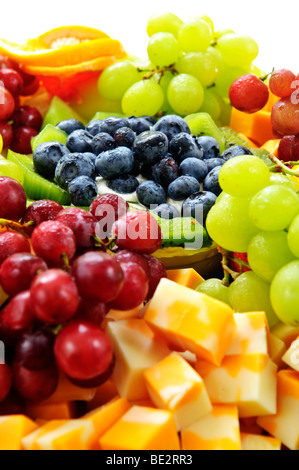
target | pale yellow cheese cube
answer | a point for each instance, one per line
(291, 357)
(277, 349)
(286, 333)
(251, 336)
(191, 321)
(218, 430)
(75, 434)
(247, 381)
(257, 442)
(284, 425)
(136, 348)
(29, 442)
(175, 386)
(142, 428)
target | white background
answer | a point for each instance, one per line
(273, 24)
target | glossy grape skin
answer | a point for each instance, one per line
(185, 94)
(135, 288)
(285, 116)
(249, 94)
(16, 317)
(40, 211)
(293, 236)
(143, 98)
(195, 36)
(12, 243)
(7, 106)
(126, 256)
(35, 385)
(21, 142)
(12, 81)
(5, 381)
(27, 116)
(285, 293)
(6, 132)
(281, 81)
(216, 289)
(163, 49)
(97, 381)
(237, 50)
(82, 223)
(201, 65)
(13, 199)
(92, 311)
(157, 272)
(34, 351)
(116, 79)
(163, 22)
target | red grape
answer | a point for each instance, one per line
(285, 117)
(27, 116)
(12, 81)
(35, 385)
(83, 351)
(125, 256)
(52, 241)
(249, 94)
(281, 81)
(18, 271)
(5, 381)
(285, 149)
(54, 296)
(82, 223)
(6, 133)
(6, 63)
(98, 276)
(12, 405)
(22, 139)
(7, 104)
(97, 381)
(16, 317)
(12, 243)
(40, 211)
(107, 208)
(135, 288)
(157, 272)
(35, 350)
(31, 83)
(13, 199)
(92, 311)
(138, 231)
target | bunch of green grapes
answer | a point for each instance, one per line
(190, 68)
(258, 214)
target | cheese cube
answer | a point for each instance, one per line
(174, 385)
(30, 442)
(247, 381)
(66, 391)
(219, 430)
(13, 429)
(257, 442)
(286, 333)
(65, 410)
(251, 336)
(136, 349)
(191, 321)
(74, 434)
(104, 393)
(284, 425)
(142, 428)
(291, 357)
(277, 349)
(185, 277)
(124, 315)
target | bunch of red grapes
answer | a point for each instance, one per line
(61, 280)
(18, 124)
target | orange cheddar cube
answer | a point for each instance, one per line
(286, 333)
(66, 391)
(175, 386)
(191, 321)
(257, 442)
(104, 393)
(291, 357)
(284, 425)
(13, 429)
(30, 442)
(142, 428)
(277, 349)
(65, 410)
(185, 277)
(136, 348)
(219, 430)
(256, 127)
(247, 381)
(272, 146)
(251, 335)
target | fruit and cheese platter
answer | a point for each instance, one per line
(149, 242)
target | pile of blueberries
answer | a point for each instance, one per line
(176, 165)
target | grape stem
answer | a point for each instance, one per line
(149, 73)
(105, 245)
(227, 257)
(16, 226)
(283, 167)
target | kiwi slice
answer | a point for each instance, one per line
(60, 111)
(202, 124)
(50, 133)
(101, 115)
(36, 186)
(183, 231)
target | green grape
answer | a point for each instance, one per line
(285, 294)
(228, 224)
(211, 104)
(214, 288)
(142, 99)
(237, 50)
(165, 22)
(225, 77)
(201, 65)
(185, 94)
(278, 178)
(244, 176)
(212, 51)
(222, 32)
(116, 79)
(225, 115)
(163, 49)
(293, 236)
(203, 124)
(249, 293)
(205, 18)
(268, 252)
(164, 82)
(8, 168)
(274, 208)
(195, 36)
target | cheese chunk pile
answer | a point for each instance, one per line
(190, 374)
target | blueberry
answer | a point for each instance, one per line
(136, 170)
(151, 119)
(79, 141)
(146, 171)
(124, 184)
(194, 167)
(213, 162)
(92, 156)
(209, 145)
(111, 124)
(183, 146)
(165, 172)
(140, 124)
(172, 125)
(82, 191)
(183, 187)
(116, 162)
(102, 142)
(124, 137)
(211, 182)
(46, 156)
(235, 151)
(167, 211)
(149, 147)
(71, 166)
(150, 193)
(198, 205)
(95, 127)
(70, 125)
